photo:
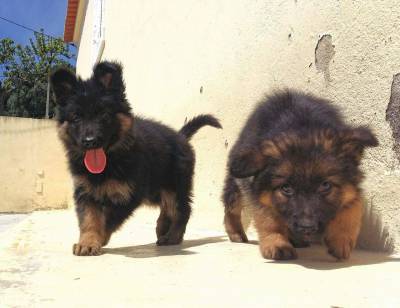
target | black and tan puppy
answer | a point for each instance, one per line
(297, 164)
(118, 161)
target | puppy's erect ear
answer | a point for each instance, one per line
(64, 83)
(109, 76)
(355, 140)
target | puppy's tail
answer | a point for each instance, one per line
(191, 127)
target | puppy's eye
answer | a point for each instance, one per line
(325, 187)
(287, 190)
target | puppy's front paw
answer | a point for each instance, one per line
(238, 237)
(278, 251)
(82, 249)
(340, 247)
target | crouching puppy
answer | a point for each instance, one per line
(118, 161)
(297, 164)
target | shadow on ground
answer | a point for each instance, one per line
(314, 257)
(317, 258)
(152, 250)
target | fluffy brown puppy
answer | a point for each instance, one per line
(297, 164)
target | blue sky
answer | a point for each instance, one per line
(35, 14)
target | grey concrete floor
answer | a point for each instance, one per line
(37, 269)
(9, 220)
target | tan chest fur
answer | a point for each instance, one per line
(114, 190)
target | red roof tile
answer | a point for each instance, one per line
(70, 20)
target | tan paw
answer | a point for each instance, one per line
(86, 249)
(238, 237)
(278, 251)
(340, 247)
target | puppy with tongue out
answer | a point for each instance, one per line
(117, 160)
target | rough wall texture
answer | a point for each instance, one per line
(33, 169)
(187, 57)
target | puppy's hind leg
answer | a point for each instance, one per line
(175, 203)
(233, 212)
(163, 221)
(171, 224)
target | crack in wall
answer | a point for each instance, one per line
(393, 114)
(324, 52)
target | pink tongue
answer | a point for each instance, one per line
(95, 160)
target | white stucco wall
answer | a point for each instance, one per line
(238, 50)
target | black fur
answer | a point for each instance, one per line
(190, 128)
(146, 158)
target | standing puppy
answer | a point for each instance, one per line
(119, 161)
(297, 164)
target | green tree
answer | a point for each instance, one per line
(26, 71)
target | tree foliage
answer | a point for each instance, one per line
(26, 69)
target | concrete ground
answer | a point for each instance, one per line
(37, 269)
(7, 221)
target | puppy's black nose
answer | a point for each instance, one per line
(90, 142)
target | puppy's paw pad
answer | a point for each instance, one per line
(279, 252)
(86, 250)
